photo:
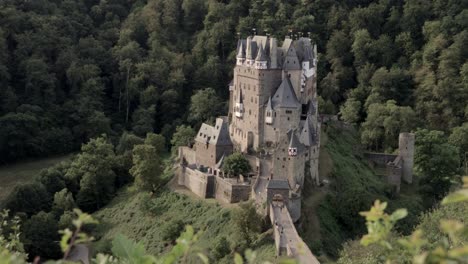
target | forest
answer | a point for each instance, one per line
(99, 77)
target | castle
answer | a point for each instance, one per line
(272, 120)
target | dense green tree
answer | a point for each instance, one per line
(205, 105)
(63, 201)
(143, 120)
(459, 138)
(92, 168)
(183, 136)
(147, 167)
(350, 111)
(28, 198)
(40, 236)
(127, 141)
(236, 164)
(384, 122)
(52, 179)
(157, 141)
(247, 222)
(436, 162)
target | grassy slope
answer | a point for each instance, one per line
(355, 253)
(353, 188)
(12, 175)
(144, 218)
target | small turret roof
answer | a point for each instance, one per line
(269, 106)
(294, 141)
(220, 163)
(261, 56)
(308, 137)
(311, 107)
(285, 97)
(241, 51)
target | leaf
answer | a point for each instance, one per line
(399, 214)
(124, 248)
(456, 197)
(203, 258)
(66, 235)
(238, 259)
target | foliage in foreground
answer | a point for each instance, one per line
(436, 240)
(123, 249)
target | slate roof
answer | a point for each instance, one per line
(311, 107)
(241, 51)
(308, 137)
(278, 184)
(220, 163)
(261, 56)
(269, 106)
(294, 141)
(285, 97)
(215, 135)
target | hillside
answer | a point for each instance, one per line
(22, 172)
(331, 212)
(354, 253)
(157, 220)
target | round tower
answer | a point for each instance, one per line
(406, 149)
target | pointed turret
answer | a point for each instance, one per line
(273, 53)
(261, 55)
(220, 163)
(294, 144)
(261, 60)
(241, 54)
(308, 137)
(241, 51)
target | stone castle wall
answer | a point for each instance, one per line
(380, 159)
(188, 154)
(195, 180)
(231, 192)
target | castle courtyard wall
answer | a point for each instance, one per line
(230, 192)
(195, 180)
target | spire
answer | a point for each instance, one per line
(307, 136)
(241, 52)
(261, 55)
(269, 107)
(249, 48)
(219, 165)
(294, 144)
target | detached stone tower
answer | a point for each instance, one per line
(406, 149)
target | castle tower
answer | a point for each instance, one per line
(261, 60)
(406, 149)
(241, 54)
(296, 161)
